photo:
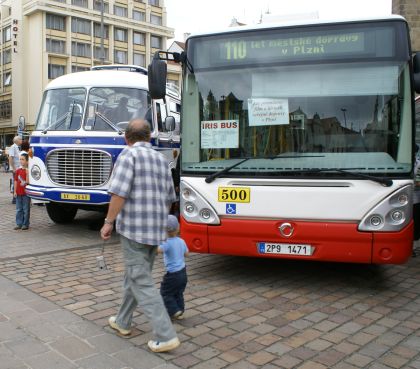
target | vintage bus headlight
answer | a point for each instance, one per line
(392, 214)
(36, 172)
(194, 208)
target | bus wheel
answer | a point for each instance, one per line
(60, 213)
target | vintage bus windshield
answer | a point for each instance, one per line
(336, 96)
(108, 108)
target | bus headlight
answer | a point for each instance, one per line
(392, 214)
(194, 208)
(36, 172)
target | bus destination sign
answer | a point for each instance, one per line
(329, 45)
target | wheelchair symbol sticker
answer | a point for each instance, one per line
(230, 208)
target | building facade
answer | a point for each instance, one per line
(42, 40)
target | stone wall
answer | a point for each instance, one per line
(410, 10)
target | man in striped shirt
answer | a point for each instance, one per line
(141, 191)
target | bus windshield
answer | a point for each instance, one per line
(62, 110)
(108, 109)
(293, 100)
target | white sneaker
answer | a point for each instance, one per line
(157, 346)
(113, 324)
(179, 315)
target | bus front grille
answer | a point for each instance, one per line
(78, 167)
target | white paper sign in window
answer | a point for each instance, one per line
(220, 134)
(267, 112)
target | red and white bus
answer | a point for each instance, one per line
(298, 140)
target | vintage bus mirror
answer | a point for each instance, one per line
(416, 68)
(157, 77)
(170, 123)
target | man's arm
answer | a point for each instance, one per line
(115, 206)
(11, 163)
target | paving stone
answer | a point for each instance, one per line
(49, 360)
(73, 348)
(26, 347)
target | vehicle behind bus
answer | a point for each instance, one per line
(79, 134)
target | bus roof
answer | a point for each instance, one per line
(296, 23)
(100, 78)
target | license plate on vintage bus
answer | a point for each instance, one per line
(285, 248)
(75, 196)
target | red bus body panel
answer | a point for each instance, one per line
(338, 242)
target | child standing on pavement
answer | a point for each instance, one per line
(175, 280)
(23, 202)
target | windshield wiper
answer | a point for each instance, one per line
(213, 176)
(383, 181)
(64, 118)
(107, 121)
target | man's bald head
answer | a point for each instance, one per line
(138, 130)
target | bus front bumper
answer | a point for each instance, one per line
(328, 241)
(68, 195)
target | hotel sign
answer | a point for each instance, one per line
(15, 30)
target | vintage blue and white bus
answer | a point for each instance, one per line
(79, 134)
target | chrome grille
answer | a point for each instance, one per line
(79, 168)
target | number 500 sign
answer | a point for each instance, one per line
(234, 194)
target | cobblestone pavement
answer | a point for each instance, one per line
(240, 312)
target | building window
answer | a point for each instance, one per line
(97, 4)
(78, 68)
(139, 16)
(120, 34)
(120, 57)
(5, 109)
(155, 19)
(156, 42)
(139, 59)
(82, 3)
(56, 22)
(120, 11)
(7, 34)
(55, 70)
(97, 30)
(79, 25)
(154, 2)
(80, 49)
(7, 56)
(56, 46)
(97, 54)
(7, 79)
(138, 38)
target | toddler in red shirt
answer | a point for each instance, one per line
(23, 202)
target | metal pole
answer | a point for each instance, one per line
(344, 113)
(102, 58)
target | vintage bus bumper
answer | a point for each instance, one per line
(338, 242)
(68, 195)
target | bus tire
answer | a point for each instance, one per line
(61, 213)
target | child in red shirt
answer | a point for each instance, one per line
(23, 202)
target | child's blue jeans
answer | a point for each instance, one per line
(172, 290)
(23, 206)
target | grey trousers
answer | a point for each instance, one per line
(139, 289)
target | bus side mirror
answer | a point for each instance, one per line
(170, 123)
(157, 77)
(416, 69)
